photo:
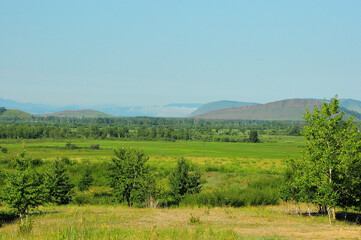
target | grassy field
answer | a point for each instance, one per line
(116, 222)
(224, 165)
(272, 148)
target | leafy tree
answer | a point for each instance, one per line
(58, 184)
(2, 110)
(253, 136)
(182, 181)
(24, 189)
(329, 172)
(86, 180)
(130, 177)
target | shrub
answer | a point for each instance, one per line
(86, 179)
(37, 162)
(183, 182)
(66, 161)
(4, 150)
(94, 146)
(71, 146)
(194, 219)
(262, 192)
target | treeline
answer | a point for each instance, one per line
(150, 129)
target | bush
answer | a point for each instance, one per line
(4, 150)
(100, 197)
(71, 146)
(94, 146)
(86, 180)
(67, 161)
(183, 182)
(37, 162)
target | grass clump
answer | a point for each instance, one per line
(262, 192)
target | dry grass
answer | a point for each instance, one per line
(221, 223)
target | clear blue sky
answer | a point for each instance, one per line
(160, 52)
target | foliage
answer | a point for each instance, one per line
(71, 146)
(4, 150)
(94, 146)
(24, 188)
(183, 182)
(130, 177)
(295, 131)
(2, 110)
(86, 179)
(253, 136)
(58, 184)
(194, 219)
(262, 192)
(329, 172)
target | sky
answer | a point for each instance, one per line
(139, 53)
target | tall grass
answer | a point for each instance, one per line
(262, 192)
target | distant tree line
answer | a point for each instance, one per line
(146, 129)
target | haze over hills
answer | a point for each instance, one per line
(79, 114)
(219, 105)
(290, 109)
(351, 104)
(170, 110)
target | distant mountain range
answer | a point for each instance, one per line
(290, 109)
(170, 110)
(219, 105)
(79, 114)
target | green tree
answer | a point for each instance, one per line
(24, 188)
(183, 181)
(86, 179)
(58, 184)
(2, 110)
(253, 136)
(329, 172)
(130, 177)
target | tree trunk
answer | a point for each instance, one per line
(333, 213)
(329, 215)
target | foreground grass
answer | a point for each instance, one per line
(110, 222)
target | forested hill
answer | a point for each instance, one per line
(219, 105)
(13, 113)
(79, 114)
(290, 109)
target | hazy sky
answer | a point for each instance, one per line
(160, 52)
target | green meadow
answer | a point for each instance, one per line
(272, 147)
(226, 167)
